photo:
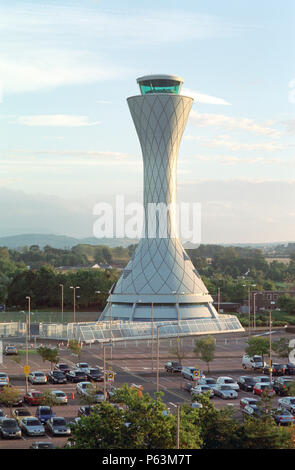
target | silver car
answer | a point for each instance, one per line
(202, 389)
(60, 397)
(288, 403)
(58, 427)
(37, 378)
(32, 427)
(225, 392)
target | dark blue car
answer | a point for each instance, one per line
(43, 413)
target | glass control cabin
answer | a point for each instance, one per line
(160, 84)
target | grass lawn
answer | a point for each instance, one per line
(49, 317)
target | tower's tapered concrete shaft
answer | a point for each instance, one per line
(160, 277)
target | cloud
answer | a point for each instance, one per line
(47, 46)
(57, 120)
(228, 122)
(202, 98)
(231, 144)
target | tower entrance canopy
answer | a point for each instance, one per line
(160, 84)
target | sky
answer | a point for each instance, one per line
(67, 137)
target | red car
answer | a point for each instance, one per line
(33, 398)
(259, 388)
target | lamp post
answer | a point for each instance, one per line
(27, 357)
(249, 306)
(178, 405)
(28, 298)
(152, 338)
(270, 345)
(218, 300)
(158, 355)
(62, 302)
(74, 292)
(105, 345)
(254, 309)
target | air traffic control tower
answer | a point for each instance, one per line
(160, 283)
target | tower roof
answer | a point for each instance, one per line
(160, 84)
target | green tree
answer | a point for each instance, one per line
(257, 346)
(205, 349)
(9, 396)
(75, 347)
(282, 348)
(49, 354)
(48, 398)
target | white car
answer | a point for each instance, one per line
(60, 397)
(4, 377)
(82, 366)
(252, 362)
(82, 387)
(37, 377)
(228, 381)
(202, 389)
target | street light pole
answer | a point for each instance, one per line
(218, 300)
(27, 355)
(62, 302)
(152, 338)
(29, 309)
(74, 291)
(158, 355)
(254, 310)
(270, 346)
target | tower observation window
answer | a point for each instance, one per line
(159, 86)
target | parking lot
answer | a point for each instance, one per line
(133, 363)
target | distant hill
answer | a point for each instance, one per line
(60, 241)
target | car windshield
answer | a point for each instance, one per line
(45, 410)
(63, 366)
(80, 374)
(94, 371)
(36, 395)
(23, 413)
(9, 423)
(292, 401)
(257, 359)
(225, 387)
(32, 422)
(59, 422)
(210, 381)
(229, 381)
(59, 394)
(57, 373)
(39, 374)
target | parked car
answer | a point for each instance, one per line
(21, 413)
(225, 392)
(282, 385)
(260, 388)
(2, 414)
(42, 445)
(196, 404)
(188, 373)
(248, 402)
(60, 396)
(4, 377)
(63, 367)
(262, 379)
(252, 362)
(201, 390)
(37, 377)
(85, 410)
(253, 410)
(44, 413)
(282, 416)
(9, 428)
(246, 383)
(56, 377)
(82, 365)
(173, 367)
(228, 381)
(76, 376)
(81, 387)
(277, 369)
(10, 350)
(94, 375)
(32, 427)
(207, 381)
(188, 386)
(290, 369)
(288, 403)
(33, 398)
(57, 426)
